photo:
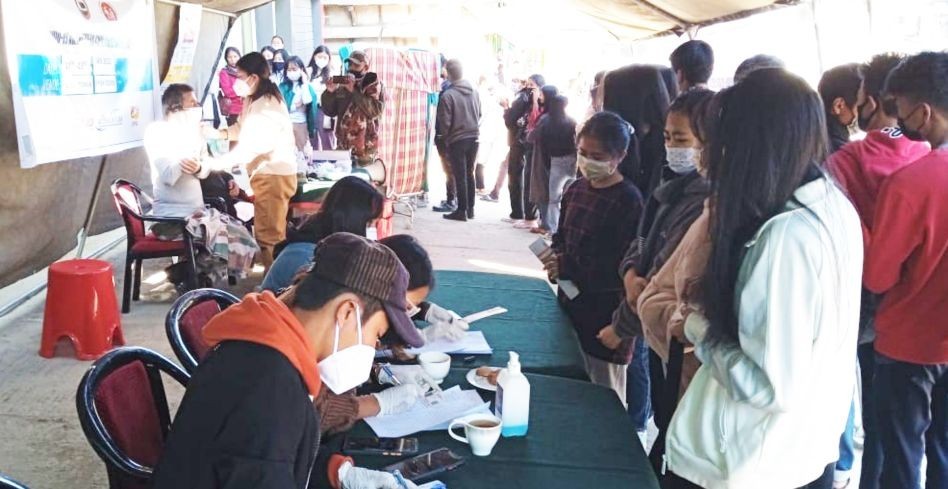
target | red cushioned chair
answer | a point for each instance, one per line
(186, 320)
(124, 412)
(143, 245)
(8, 483)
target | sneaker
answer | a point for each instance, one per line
(525, 225)
(490, 198)
(445, 206)
(539, 230)
(510, 220)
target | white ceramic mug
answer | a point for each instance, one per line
(482, 432)
(435, 364)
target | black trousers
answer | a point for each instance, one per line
(449, 183)
(872, 451)
(463, 156)
(672, 481)
(479, 176)
(518, 183)
(911, 403)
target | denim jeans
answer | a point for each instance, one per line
(637, 386)
(847, 449)
(872, 446)
(912, 416)
(562, 170)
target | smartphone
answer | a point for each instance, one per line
(389, 447)
(427, 465)
(340, 79)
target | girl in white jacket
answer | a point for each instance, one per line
(776, 331)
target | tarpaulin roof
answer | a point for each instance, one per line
(232, 6)
(637, 19)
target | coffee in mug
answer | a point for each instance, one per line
(482, 432)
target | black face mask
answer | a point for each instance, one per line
(913, 134)
(357, 74)
(278, 66)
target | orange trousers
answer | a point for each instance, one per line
(272, 195)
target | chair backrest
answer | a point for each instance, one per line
(124, 412)
(128, 201)
(186, 319)
(8, 483)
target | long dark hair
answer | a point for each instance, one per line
(316, 71)
(256, 64)
(348, 207)
(296, 60)
(641, 94)
(768, 137)
(230, 50)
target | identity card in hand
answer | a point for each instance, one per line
(541, 249)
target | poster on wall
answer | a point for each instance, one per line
(189, 27)
(83, 74)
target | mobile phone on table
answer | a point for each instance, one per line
(389, 447)
(340, 79)
(427, 465)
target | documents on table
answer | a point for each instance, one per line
(456, 403)
(473, 343)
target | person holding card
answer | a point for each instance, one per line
(599, 217)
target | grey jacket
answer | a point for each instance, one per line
(459, 113)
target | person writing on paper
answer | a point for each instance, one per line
(338, 413)
(175, 151)
(247, 417)
(599, 217)
(265, 145)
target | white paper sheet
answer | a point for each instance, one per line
(421, 417)
(477, 316)
(473, 343)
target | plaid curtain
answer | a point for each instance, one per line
(408, 77)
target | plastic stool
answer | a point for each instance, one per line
(81, 305)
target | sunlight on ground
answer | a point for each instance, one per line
(156, 278)
(500, 267)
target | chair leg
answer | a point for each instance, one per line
(137, 291)
(127, 286)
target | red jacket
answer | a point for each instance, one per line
(907, 259)
(860, 167)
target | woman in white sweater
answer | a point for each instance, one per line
(776, 327)
(265, 145)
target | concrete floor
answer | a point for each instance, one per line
(43, 445)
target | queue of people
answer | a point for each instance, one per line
(745, 234)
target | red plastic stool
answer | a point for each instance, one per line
(81, 305)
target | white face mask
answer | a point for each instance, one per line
(594, 169)
(347, 369)
(372, 233)
(321, 63)
(294, 75)
(682, 160)
(242, 88)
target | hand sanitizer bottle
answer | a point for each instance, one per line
(513, 399)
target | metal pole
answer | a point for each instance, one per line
(84, 232)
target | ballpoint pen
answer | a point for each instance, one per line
(388, 371)
(401, 480)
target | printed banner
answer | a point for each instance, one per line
(189, 27)
(83, 74)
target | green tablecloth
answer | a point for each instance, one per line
(534, 326)
(579, 436)
(312, 190)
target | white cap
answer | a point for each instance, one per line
(513, 365)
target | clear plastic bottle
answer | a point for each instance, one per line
(513, 399)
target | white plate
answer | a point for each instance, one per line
(480, 382)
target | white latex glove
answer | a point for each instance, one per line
(443, 324)
(358, 478)
(398, 399)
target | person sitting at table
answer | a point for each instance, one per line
(599, 217)
(265, 145)
(339, 412)
(352, 205)
(247, 418)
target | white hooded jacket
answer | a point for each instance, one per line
(768, 412)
